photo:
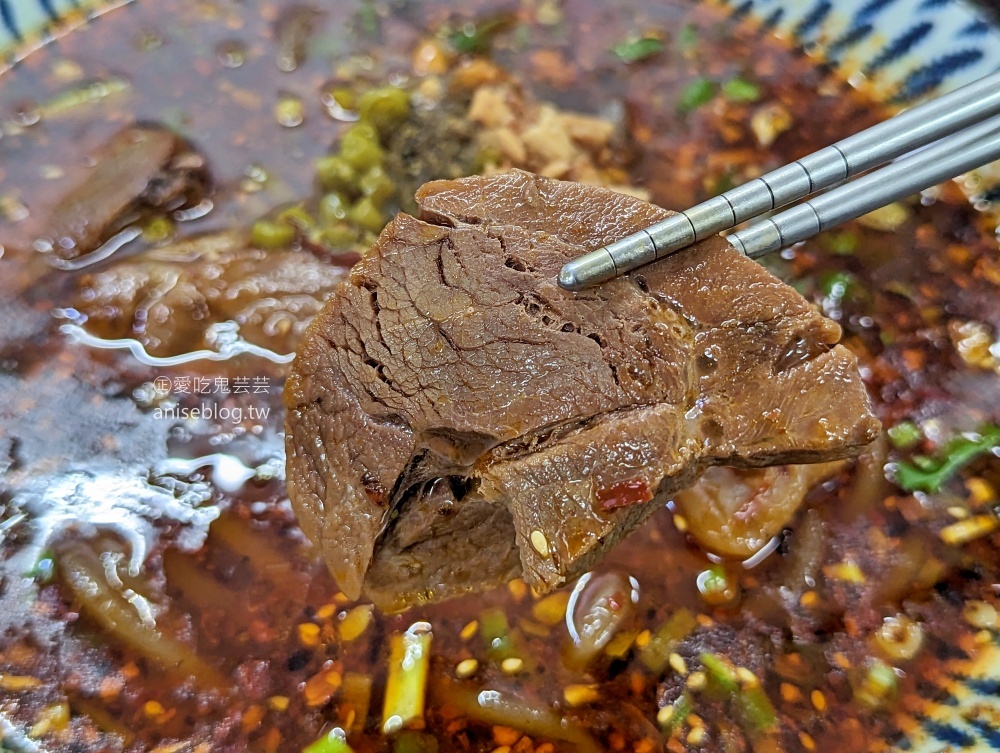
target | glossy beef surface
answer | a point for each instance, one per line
(452, 352)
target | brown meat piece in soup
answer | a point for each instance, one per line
(169, 298)
(138, 169)
(451, 352)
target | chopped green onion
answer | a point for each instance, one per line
(695, 94)
(720, 672)
(740, 90)
(717, 587)
(753, 708)
(495, 631)
(333, 742)
(687, 38)
(44, 568)
(635, 50)
(904, 435)
(878, 685)
(676, 628)
(838, 285)
(406, 686)
(502, 708)
(930, 474)
(83, 95)
(367, 18)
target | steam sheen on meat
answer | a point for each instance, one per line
(456, 419)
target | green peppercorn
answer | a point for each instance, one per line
(335, 174)
(268, 234)
(297, 216)
(376, 185)
(333, 208)
(367, 216)
(385, 108)
(340, 235)
(359, 152)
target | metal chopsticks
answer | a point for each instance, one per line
(962, 129)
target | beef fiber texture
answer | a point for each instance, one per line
(456, 419)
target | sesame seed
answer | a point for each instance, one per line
(809, 598)
(697, 736)
(841, 660)
(969, 529)
(645, 745)
(677, 664)
(818, 700)
(18, 682)
(512, 666)
(790, 693)
(697, 681)
(466, 668)
(664, 715)
(807, 742)
(518, 589)
(981, 490)
(278, 702)
(469, 630)
(680, 523)
(747, 678)
(580, 695)
(540, 543)
(642, 640)
(309, 634)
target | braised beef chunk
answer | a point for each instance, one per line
(439, 547)
(452, 352)
(140, 167)
(173, 299)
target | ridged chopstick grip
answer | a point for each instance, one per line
(870, 148)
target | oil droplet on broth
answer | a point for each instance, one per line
(231, 53)
(289, 111)
(26, 114)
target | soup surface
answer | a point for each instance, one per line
(155, 592)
